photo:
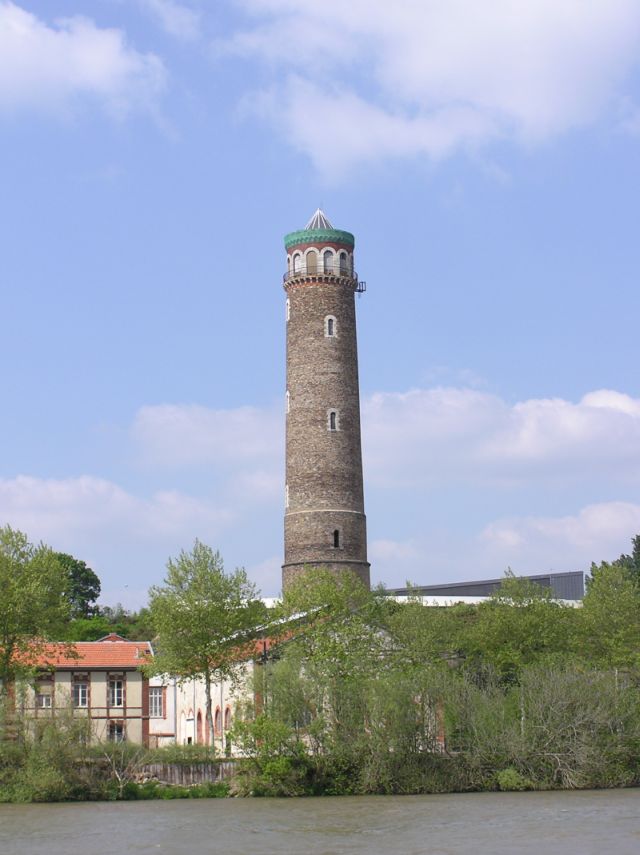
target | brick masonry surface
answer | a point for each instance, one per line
(323, 467)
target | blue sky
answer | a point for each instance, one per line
(487, 158)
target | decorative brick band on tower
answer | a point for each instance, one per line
(324, 523)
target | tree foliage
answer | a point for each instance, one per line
(610, 619)
(629, 563)
(33, 605)
(518, 625)
(521, 691)
(334, 621)
(206, 619)
(83, 586)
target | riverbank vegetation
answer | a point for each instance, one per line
(356, 692)
(518, 692)
(54, 762)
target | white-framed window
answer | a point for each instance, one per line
(156, 706)
(288, 401)
(286, 496)
(327, 261)
(287, 310)
(330, 327)
(297, 262)
(116, 693)
(43, 700)
(115, 731)
(343, 264)
(333, 421)
(80, 693)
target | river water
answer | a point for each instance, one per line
(570, 823)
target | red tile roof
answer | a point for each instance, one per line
(112, 651)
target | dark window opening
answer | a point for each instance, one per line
(336, 539)
(333, 423)
(115, 732)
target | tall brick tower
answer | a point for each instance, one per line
(324, 523)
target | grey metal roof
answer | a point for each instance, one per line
(566, 586)
(318, 221)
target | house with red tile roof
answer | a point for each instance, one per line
(104, 682)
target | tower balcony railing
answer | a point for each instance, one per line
(325, 272)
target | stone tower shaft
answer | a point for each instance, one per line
(325, 524)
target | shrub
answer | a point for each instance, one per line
(510, 780)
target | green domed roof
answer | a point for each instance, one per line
(319, 230)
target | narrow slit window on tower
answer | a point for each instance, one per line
(333, 420)
(288, 401)
(327, 261)
(288, 309)
(330, 326)
(336, 538)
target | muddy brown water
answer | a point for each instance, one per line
(570, 823)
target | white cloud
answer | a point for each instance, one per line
(188, 434)
(175, 18)
(393, 550)
(90, 510)
(396, 562)
(417, 440)
(598, 532)
(267, 576)
(420, 438)
(426, 77)
(48, 68)
(125, 538)
(259, 485)
(526, 544)
(444, 435)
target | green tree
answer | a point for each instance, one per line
(610, 618)
(520, 624)
(206, 619)
(88, 629)
(423, 634)
(336, 639)
(335, 621)
(633, 561)
(33, 605)
(629, 563)
(83, 586)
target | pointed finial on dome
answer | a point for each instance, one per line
(318, 221)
